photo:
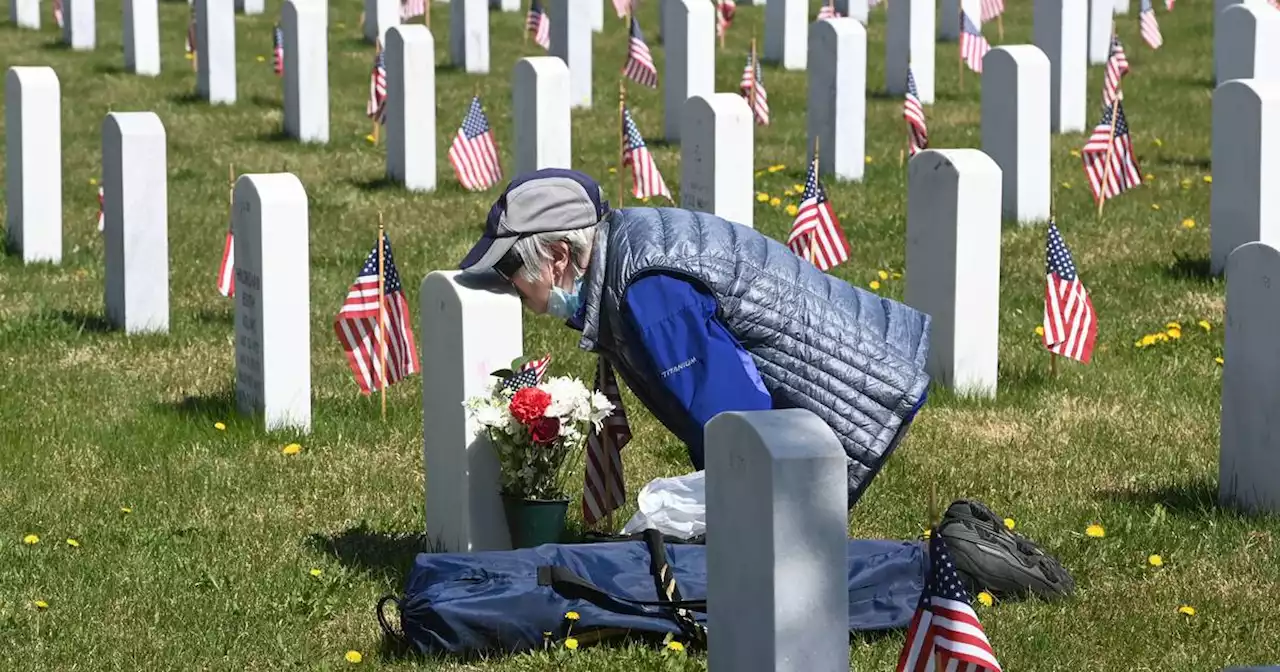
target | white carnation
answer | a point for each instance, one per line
(569, 398)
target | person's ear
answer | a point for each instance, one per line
(560, 259)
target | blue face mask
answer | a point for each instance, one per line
(564, 304)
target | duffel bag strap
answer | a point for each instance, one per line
(382, 618)
(665, 582)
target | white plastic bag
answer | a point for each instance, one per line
(674, 506)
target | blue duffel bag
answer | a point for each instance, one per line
(512, 601)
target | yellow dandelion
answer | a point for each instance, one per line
(220, 426)
(1175, 334)
(1095, 530)
(798, 188)
(1187, 610)
(883, 275)
(645, 199)
(1066, 185)
(189, 56)
(1149, 177)
(985, 599)
(1162, 337)
(792, 209)
(1158, 142)
(40, 604)
(612, 170)
(1138, 344)
(572, 616)
(125, 509)
(571, 644)
(1188, 223)
(370, 138)
(31, 540)
(774, 169)
(775, 201)
(874, 284)
(93, 181)
(1172, 325)
(786, 192)
(316, 572)
(896, 275)
(1208, 179)
(73, 543)
(1218, 360)
(1186, 183)
(928, 533)
(262, 59)
(759, 173)
(1155, 560)
(354, 657)
(1155, 206)
(1075, 152)
(762, 197)
(1148, 340)
(676, 646)
(869, 159)
(1204, 324)
(1039, 330)
(1009, 524)
(291, 449)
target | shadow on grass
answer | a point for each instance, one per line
(56, 45)
(384, 555)
(269, 102)
(213, 407)
(381, 183)
(108, 69)
(188, 98)
(1192, 498)
(274, 136)
(219, 317)
(85, 321)
(1186, 161)
(1189, 268)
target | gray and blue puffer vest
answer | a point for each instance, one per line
(854, 359)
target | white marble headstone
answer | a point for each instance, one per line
(1061, 29)
(136, 221)
(571, 42)
(1249, 462)
(837, 97)
(79, 25)
(953, 264)
(469, 35)
(1122, 7)
(1102, 18)
(853, 9)
(717, 157)
(306, 76)
(909, 41)
(411, 107)
(25, 13)
(142, 37)
(786, 33)
(380, 15)
(777, 500)
(33, 162)
(473, 325)
(1246, 43)
(505, 5)
(1015, 128)
(1244, 204)
(596, 7)
(690, 58)
(250, 7)
(216, 64)
(540, 111)
(273, 300)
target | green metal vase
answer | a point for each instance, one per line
(533, 522)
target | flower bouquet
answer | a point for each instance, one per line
(535, 425)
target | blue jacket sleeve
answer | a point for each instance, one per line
(699, 362)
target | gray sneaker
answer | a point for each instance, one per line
(991, 557)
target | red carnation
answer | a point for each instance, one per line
(545, 430)
(529, 404)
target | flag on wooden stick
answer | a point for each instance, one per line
(277, 49)
(945, 634)
(1070, 325)
(639, 66)
(913, 112)
(1108, 158)
(1117, 68)
(371, 330)
(1148, 26)
(538, 24)
(474, 154)
(605, 489)
(816, 234)
(646, 180)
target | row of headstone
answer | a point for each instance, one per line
(1246, 43)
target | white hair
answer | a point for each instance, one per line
(534, 250)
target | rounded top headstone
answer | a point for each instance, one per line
(132, 123)
(957, 161)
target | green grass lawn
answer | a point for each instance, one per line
(197, 545)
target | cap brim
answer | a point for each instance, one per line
(486, 254)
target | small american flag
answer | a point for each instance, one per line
(973, 46)
(474, 154)
(646, 181)
(828, 11)
(639, 66)
(991, 9)
(604, 489)
(816, 234)
(277, 49)
(57, 12)
(1070, 325)
(1123, 173)
(1117, 67)
(913, 112)
(226, 269)
(410, 9)
(538, 24)
(622, 7)
(376, 108)
(945, 634)
(358, 329)
(1148, 25)
(725, 9)
(1168, 4)
(752, 86)
(529, 375)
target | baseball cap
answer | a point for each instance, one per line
(551, 199)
